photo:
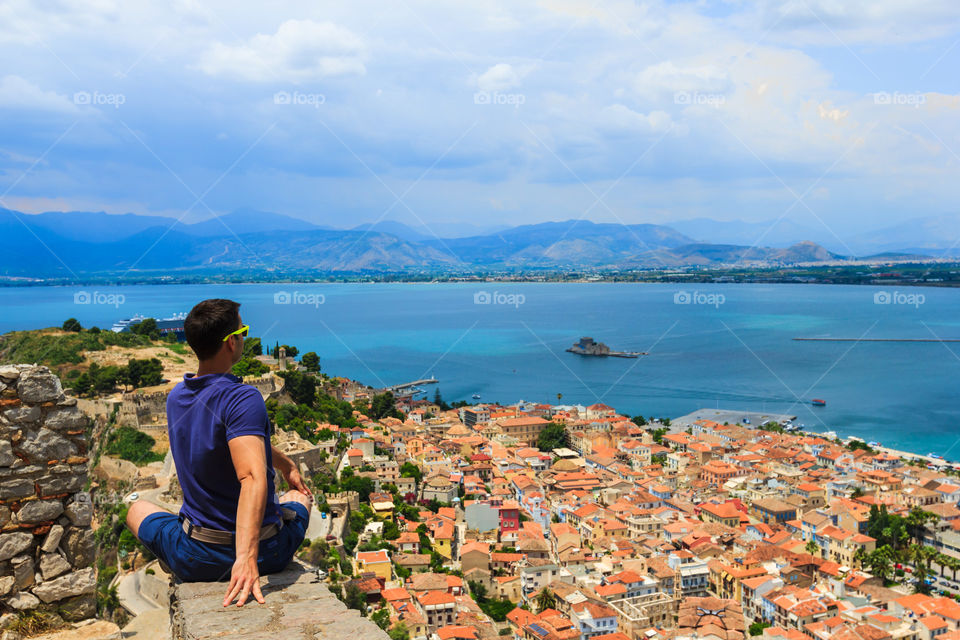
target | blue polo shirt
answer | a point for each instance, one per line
(203, 414)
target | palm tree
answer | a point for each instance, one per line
(559, 397)
(916, 522)
(951, 563)
(879, 562)
(860, 557)
(546, 600)
(812, 548)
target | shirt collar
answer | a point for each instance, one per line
(193, 381)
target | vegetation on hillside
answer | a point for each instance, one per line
(53, 347)
(133, 445)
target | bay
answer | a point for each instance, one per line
(719, 346)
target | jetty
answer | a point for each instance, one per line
(410, 388)
(877, 339)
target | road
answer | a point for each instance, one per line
(319, 527)
(128, 591)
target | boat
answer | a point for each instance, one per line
(124, 325)
(934, 456)
(172, 324)
(873, 444)
(476, 396)
(817, 402)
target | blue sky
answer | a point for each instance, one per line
(839, 115)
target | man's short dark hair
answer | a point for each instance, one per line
(208, 323)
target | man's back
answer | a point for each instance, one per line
(203, 414)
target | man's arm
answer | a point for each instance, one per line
(289, 471)
(249, 461)
(281, 461)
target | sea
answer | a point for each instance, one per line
(726, 346)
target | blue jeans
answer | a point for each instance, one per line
(195, 561)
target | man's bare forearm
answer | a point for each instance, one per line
(281, 461)
(250, 509)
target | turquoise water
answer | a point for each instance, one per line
(737, 353)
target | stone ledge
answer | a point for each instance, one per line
(297, 606)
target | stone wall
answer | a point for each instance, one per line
(297, 607)
(47, 547)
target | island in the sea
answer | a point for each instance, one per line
(589, 347)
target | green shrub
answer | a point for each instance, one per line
(133, 445)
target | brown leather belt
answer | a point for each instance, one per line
(217, 536)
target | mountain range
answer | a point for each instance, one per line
(74, 244)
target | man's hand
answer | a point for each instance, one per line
(244, 582)
(293, 478)
(289, 471)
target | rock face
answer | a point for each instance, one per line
(47, 548)
(296, 605)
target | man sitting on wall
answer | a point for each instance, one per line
(231, 524)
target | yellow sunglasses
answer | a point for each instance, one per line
(242, 331)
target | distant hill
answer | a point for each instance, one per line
(932, 236)
(61, 244)
(568, 243)
(768, 233)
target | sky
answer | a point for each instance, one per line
(838, 115)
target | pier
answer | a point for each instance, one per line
(410, 388)
(877, 339)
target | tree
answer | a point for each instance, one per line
(756, 628)
(553, 436)
(354, 598)
(249, 366)
(438, 400)
(72, 324)
(658, 435)
(638, 420)
(916, 522)
(142, 373)
(252, 347)
(477, 590)
(856, 493)
(133, 445)
(382, 406)
(311, 362)
(301, 388)
(546, 600)
(411, 470)
(146, 327)
(812, 548)
(879, 562)
(362, 485)
(382, 617)
(399, 631)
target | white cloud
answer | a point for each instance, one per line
(17, 93)
(667, 77)
(499, 77)
(299, 51)
(618, 117)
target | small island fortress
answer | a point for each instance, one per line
(588, 347)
